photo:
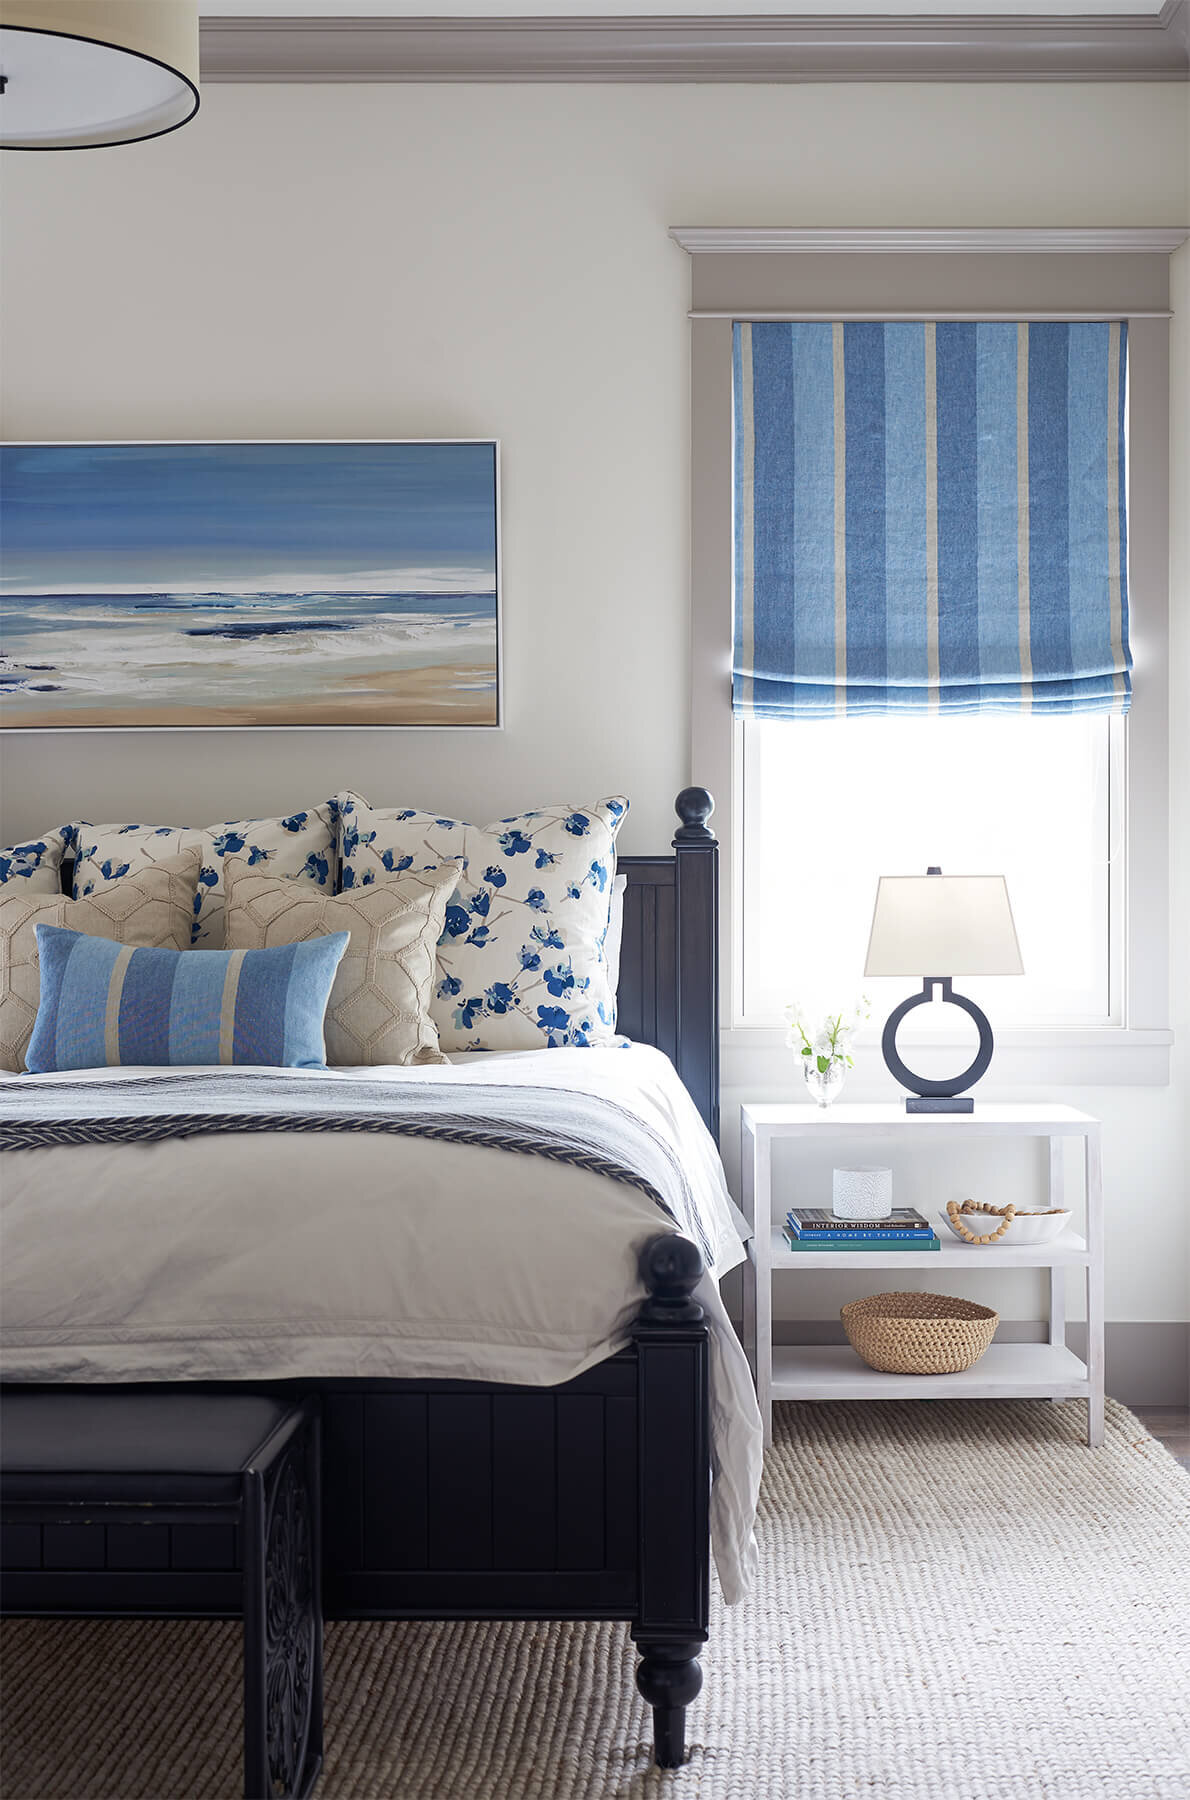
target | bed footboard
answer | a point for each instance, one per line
(451, 1499)
(459, 1499)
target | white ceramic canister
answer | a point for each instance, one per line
(862, 1193)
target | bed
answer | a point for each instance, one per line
(538, 1443)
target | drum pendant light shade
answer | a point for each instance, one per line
(79, 74)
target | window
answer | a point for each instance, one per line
(794, 815)
(931, 660)
(829, 805)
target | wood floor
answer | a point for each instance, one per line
(1172, 1425)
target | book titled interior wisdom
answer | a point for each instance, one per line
(821, 1219)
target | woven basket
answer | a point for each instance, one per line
(919, 1334)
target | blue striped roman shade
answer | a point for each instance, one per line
(104, 1004)
(929, 518)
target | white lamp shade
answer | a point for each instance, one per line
(943, 925)
(79, 74)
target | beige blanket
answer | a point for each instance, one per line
(274, 1256)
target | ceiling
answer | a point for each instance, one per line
(357, 9)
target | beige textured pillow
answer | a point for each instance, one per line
(379, 1008)
(152, 909)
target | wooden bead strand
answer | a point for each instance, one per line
(954, 1213)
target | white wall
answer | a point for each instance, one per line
(398, 261)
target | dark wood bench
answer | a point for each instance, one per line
(70, 1457)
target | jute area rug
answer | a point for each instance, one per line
(958, 1601)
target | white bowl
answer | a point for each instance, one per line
(1026, 1227)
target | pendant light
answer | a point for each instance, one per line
(79, 74)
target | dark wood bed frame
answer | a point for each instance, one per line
(461, 1499)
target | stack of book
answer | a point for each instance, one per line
(813, 1228)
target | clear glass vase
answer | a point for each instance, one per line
(823, 1089)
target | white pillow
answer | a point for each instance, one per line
(521, 962)
(615, 933)
(379, 1009)
(300, 846)
(37, 865)
(151, 909)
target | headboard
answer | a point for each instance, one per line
(669, 955)
(669, 952)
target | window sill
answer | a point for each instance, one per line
(1026, 1057)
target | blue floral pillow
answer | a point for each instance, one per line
(37, 865)
(521, 961)
(300, 846)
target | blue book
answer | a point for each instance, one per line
(844, 1236)
(819, 1240)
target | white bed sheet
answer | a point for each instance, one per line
(270, 1256)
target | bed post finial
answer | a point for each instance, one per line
(671, 1267)
(696, 903)
(694, 807)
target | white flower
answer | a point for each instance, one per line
(827, 1038)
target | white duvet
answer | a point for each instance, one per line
(271, 1256)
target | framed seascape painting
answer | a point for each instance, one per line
(249, 584)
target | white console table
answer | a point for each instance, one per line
(834, 1371)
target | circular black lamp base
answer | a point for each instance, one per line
(938, 1096)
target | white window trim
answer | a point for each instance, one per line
(1134, 1051)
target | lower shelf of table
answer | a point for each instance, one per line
(1005, 1371)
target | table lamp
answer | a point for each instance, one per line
(960, 923)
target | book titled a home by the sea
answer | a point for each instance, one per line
(818, 1243)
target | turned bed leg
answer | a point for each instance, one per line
(673, 1426)
(669, 1676)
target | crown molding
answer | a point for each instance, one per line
(1106, 240)
(757, 48)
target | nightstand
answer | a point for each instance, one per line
(834, 1371)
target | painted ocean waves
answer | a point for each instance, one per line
(249, 584)
(312, 659)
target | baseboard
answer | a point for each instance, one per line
(1147, 1362)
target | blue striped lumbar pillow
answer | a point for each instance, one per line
(104, 1004)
